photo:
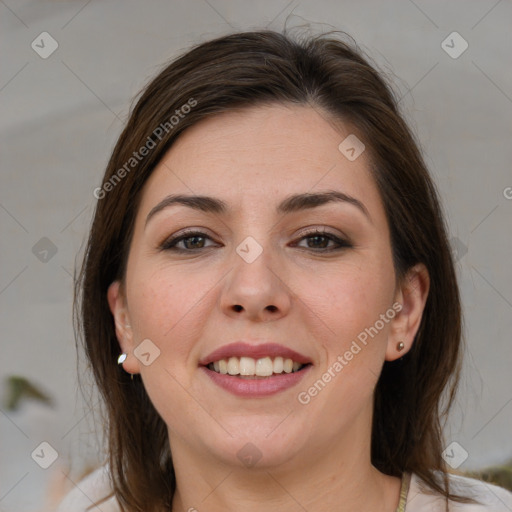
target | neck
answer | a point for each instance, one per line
(339, 477)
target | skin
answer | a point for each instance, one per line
(314, 456)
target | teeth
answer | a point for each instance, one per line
(278, 365)
(264, 367)
(233, 366)
(223, 366)
(247, 366)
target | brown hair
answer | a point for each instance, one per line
(240, 70)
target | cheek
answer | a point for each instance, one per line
(348, 300)
(352, 348)
(170, 308)
(352, 336)
(167, 306)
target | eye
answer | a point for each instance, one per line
(319, 241)
(316, 240)
(190, 241)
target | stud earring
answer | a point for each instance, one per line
(400, 346)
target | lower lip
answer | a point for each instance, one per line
(256, 387)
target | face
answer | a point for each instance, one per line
(298, 293)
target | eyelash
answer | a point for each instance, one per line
(170, 243)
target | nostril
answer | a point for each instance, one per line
(272, 308)
(237, 307)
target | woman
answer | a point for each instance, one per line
(269, 265)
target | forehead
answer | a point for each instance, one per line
(256, 156)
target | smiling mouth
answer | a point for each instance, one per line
(250, 368)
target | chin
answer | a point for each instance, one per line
(256, 442)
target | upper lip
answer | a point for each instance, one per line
(243, 349)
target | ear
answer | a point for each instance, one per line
(412, 295)
(124, 332)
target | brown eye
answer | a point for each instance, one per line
(321, 239)
(318, 241)
(190, 242)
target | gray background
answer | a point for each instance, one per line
(61, 116)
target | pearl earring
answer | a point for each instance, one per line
(400, 346)
(121, 359)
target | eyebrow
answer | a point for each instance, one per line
(294, 203)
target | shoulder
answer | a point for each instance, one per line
(88, 491)
(490, 498)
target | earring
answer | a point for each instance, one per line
(400, 346)
(121, 359)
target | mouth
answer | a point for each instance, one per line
(250, 368)
(255, 370)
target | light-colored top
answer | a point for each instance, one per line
(414, 496)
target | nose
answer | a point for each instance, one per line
(256, 291)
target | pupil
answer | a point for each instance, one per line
(195, 244)
(317, 238)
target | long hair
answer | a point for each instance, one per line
(241, 70)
